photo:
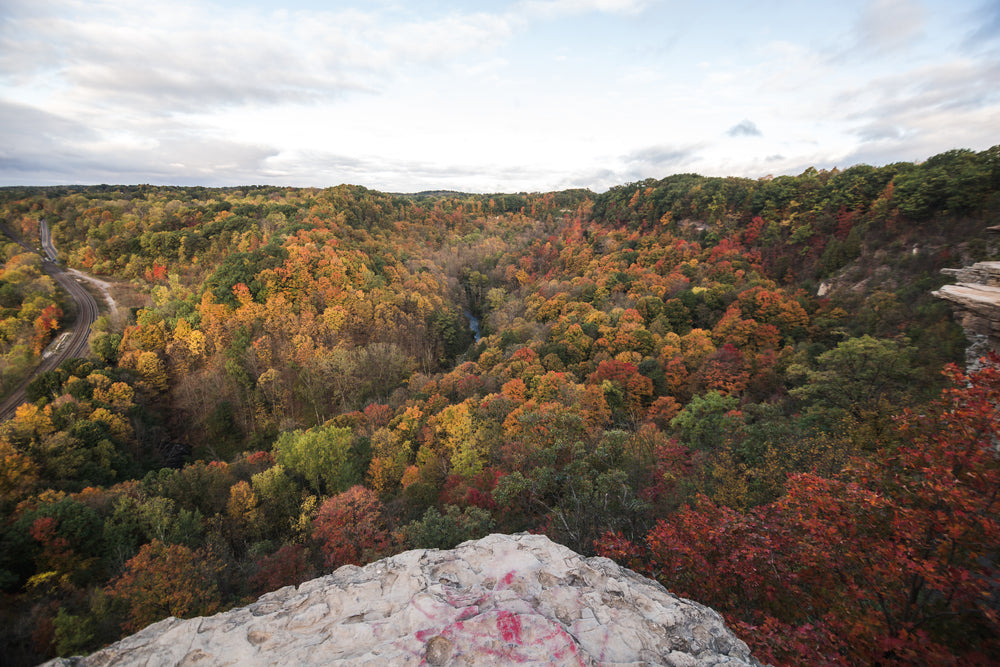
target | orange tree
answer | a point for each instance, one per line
(167, 580)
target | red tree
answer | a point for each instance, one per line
(167, 580)
(351, 529)
(894, 561)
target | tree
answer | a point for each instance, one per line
(863, 379)
(45, 324)
(444, 531)
(167, 580)
(893, 561)
(280, 499)
(351, 528)
(18, 473)
(703, 422)
(288, 566)
(322, 455)
(635, 389)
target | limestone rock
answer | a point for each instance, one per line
(499, 600)
(976, 301)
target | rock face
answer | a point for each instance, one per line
(500, 600)
(976, 300)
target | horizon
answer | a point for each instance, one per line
(512, 96)
(442, 191)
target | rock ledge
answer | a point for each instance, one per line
(975, 299)
(499, 600)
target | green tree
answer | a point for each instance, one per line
(862, 379)
(323, 455)
(444, 531)
(702, 424)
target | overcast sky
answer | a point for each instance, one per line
(486, 95)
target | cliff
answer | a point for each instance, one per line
(499, 600)
(976, 301)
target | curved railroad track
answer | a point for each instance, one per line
(67, 346)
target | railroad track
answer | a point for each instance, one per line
(77, 343)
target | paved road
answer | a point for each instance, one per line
(75, 345)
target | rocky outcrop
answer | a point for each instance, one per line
(499, 600)
(976, 300)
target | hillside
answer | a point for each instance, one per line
(732, 385)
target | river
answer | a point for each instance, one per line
(474, 325)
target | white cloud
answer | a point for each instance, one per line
(550, 9)
(164, 57)
(418, 96)
(888, 25)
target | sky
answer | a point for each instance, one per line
(486, 95)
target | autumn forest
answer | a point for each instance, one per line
(742, 388)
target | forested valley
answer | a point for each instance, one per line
(741, 388)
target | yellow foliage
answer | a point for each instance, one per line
(151, 368)
(18, 472)
(116, 423)
(630, 357)
(32, 422)
(307, 510)
(384, 474)
(119, 395)
(242, 504)
(196, 343)
(99, 381)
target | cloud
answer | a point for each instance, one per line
(33, 141)
(550, 9)
(745, 128)
(888, 25)
(879, 132)
(321, 169)
(918, 113)
(464, 96)
(168, 57)
(954, 86)
(660, 156)
(651, 162)
(47, 148)
(164, 57)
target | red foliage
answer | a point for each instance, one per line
(617, 547)
(378, 415)
(350, 528)
(845, 221)
(167, 580)
(260, 459)
(56, 554)
(753, 230)
(662, 410)
(288, 566)
(156, 274)
(892, 562)
(635, 386)
(46, 322)
(672, 463)
(723, 371)
(477, 491)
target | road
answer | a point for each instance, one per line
(77, 343)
